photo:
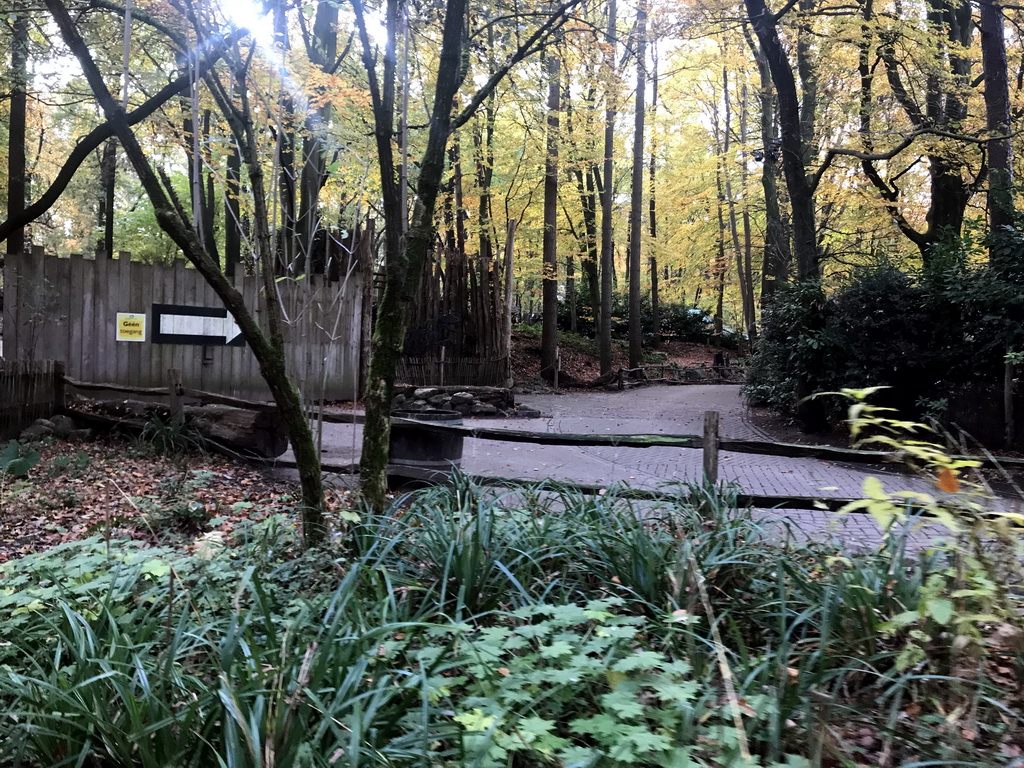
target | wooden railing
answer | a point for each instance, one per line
(710, 443)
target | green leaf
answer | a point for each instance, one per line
(638, 661)
(941, 610)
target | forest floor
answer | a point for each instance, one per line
(580, 363)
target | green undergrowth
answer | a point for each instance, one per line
(536, 628)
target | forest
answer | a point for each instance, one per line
(601, 168)
(826, 187)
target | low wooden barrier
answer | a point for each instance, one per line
(710, 442)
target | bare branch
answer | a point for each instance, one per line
(102, 132)
(909, 139)
(532, 45)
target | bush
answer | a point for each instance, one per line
(681, 321)
(887, 328)
(541, 627)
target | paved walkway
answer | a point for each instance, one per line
(659, 410)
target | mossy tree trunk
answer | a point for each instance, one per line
(267, 347)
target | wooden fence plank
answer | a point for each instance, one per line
(125, 302)
(11, 304)
(29, 390)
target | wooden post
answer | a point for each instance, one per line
(1009, 418)
(174, 391)
(58, 386)
(510, 237)
(711, 447)
(558, 364)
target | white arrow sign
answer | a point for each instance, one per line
(177, 324)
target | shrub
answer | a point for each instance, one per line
(885, 327)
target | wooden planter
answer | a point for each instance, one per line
(423, 455)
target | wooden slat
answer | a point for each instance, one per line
(125, 301)
(141, 293)
(105, 344)
(12, 265)
(29, 389)
(75, 309)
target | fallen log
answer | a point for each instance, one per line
(247, 432)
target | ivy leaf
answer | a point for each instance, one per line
(639, 660)
(941, 610)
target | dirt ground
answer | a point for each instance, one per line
(579, 367)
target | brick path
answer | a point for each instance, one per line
(662, 410)
(680, 410)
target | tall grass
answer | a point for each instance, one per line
(471, 627)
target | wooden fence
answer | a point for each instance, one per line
(441, 371)
(29, 390)
(67, 309)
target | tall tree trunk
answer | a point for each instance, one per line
(652, 207)
(232, 212)
(16, 166)
(549, 331)
(795, 148)
(108, 172)
(284, 127)
(404, 260)
(720, 260)
(607, 246)
(570, 291)
(1000, 175)
(796, 128)
(209, 210)
(323, 51)
(637, 190)
(589, 260)
(747, 273)
(486, 309)
(997, 113)
(775, 261)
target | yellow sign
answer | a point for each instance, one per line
(131, 327)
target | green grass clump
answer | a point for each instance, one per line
(466, 627)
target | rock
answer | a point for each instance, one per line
(398, 400)
(63, 426)
(44, 423)
(483, 409)
(463, 408)
(527, 412)
(81, 436)
(439, 400)
(462, 397)
(35, 432)
(426, 393)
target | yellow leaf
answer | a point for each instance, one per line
(948, 481)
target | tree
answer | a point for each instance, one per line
(997, 116)
(404, 257)
(938, 115)
(549, 333)
(16, 165)
(607, 194)
(636, 232)
(794, 121)
(267, 347)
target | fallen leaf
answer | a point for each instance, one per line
(948, 481)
